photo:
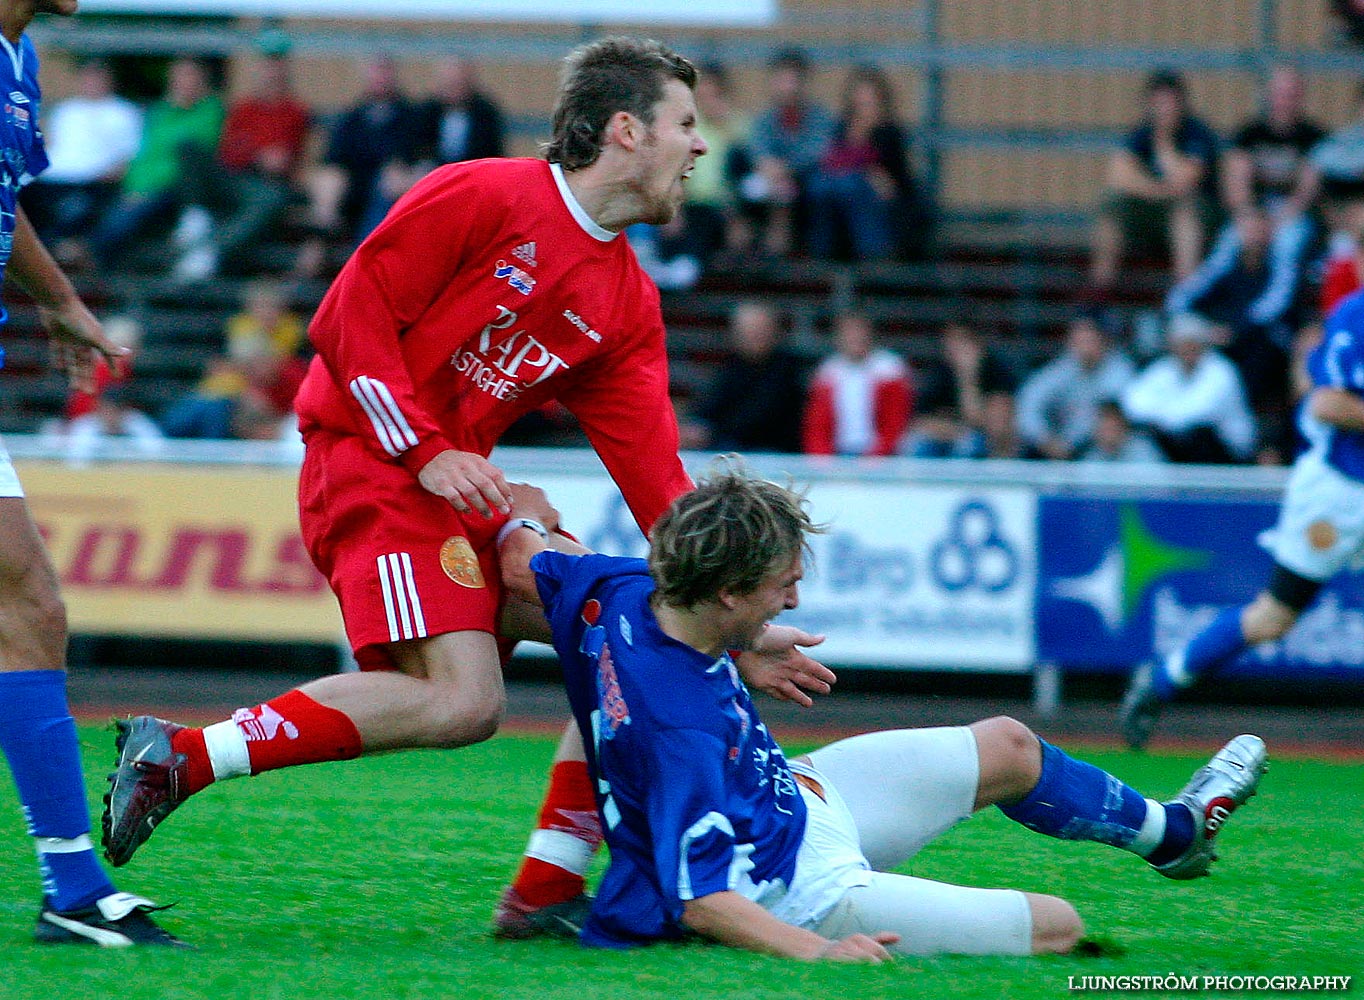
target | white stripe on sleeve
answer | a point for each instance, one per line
(390, 426)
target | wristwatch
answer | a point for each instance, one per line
(521, 522)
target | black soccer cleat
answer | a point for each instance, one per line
(517, 920)
(120, 920)
(149, 781)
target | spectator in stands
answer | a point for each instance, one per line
(713, 192)
(754, 401)
(1161, 186)
(1191, 399)
(1342, 269)
(371, 152)
(125, 332)
(459, 122)
(1058, 404)
(91, 137)
(1335, 174)
(113, 416)
(1349, 18)
(953, 391)
(861, 397)
(254, 176)
(787, 142)
(1115, 440)
(862, 192)
(672, 254)
(255, 382)
(999, 437)
(1238, 289)
(186, 121)
(1264, 169)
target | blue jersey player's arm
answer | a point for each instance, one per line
(78, 340)
(1337, 372)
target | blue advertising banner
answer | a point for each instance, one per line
(1120, 580)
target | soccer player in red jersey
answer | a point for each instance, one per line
(492, 287)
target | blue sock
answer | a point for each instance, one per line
(1179, 834)
(1077, 801)
(38, 737)
(1207, 652)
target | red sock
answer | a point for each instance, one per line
(288, 730)
(293, 729)
(190, 742)
(566, 835)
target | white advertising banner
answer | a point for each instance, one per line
(707, 12)
(922, 576)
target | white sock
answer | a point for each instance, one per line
(227, 750)
(1152, 830)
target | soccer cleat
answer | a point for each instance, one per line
(149, 781)
(119, 920)
(517, 920)
(1141, 706)
(1215, 791)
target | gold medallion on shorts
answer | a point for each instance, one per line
(460, 563)
(1322, 535)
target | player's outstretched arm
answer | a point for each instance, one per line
(1338, 407)
(78, 340)
(517, 546)
(777, 665)
(731, 919)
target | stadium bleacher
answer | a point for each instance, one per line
(1015, 181)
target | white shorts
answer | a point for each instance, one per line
(9, 479)
(1321, 522)
(886, 796)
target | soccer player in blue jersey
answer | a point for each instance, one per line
(713, 831)
(38, 737)
(1320, 529)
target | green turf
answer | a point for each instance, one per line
(375, 879)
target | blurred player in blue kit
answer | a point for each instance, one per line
(37, 733)
(1320, 529)
(713, 831)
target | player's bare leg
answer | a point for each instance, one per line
(38, 736)
(447, 693)
(1267, 618)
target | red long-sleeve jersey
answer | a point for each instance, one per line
(486, 292)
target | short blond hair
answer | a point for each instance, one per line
(729, 533)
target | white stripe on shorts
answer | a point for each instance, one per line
(402, 604)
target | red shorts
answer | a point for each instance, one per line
(402, 562)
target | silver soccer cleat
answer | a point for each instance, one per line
(1216, 790)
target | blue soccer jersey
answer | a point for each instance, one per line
(24, 156)
(1338, 363)
(695, 795)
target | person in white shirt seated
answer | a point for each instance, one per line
(91, 136)
(1192, 400)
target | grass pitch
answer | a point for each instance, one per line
(375, 879)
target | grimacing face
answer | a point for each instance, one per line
(668, 152)
(777, 592)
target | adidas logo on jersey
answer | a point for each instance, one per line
(525, 253)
